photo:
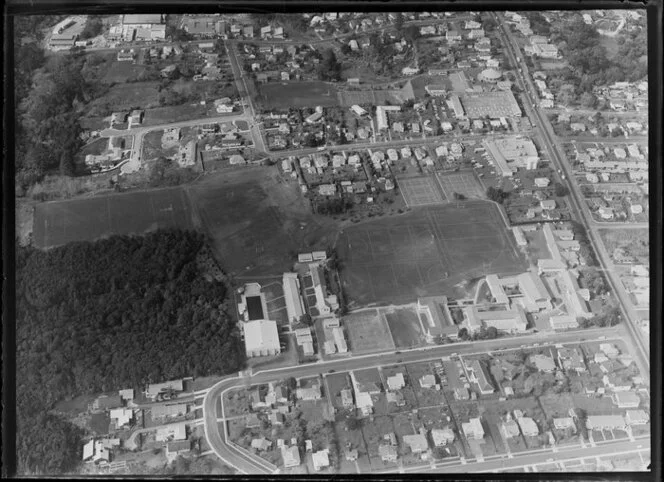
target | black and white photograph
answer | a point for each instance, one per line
(333, 243)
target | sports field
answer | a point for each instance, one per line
(463, 182)
(376, 97)
(62, 222)
(257, 222)
(282, 95)
(368, 332)
(420, 191)
(426, 252)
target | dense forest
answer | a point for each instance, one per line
(112, 314)
(48, 92)
(590, 64)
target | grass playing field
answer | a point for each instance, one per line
(62, 222)
(368, 332)
(256, 221)
(282, 95)
(426, 252)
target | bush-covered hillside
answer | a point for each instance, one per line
(111, 314)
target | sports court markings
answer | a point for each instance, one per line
(420, 191)
(461, 182)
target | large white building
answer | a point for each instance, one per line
(261, 338)
(381, 115)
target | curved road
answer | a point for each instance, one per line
(250, 464)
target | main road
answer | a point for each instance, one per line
(249, 464)
(558, 158)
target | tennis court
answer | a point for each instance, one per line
(463, 182)
(420, 191)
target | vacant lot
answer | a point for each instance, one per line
(128, 96)
(119, 72)
(282, 95)
(405, 327)
(255, 220)
(62, 222)
(425, 252)
(421, 191)
(368, 332)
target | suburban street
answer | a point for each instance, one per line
(556, 153)
(248, 464)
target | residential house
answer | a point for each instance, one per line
(543, 363)
(528, 426)
(290, 456)
(320, 459)
(388, 453)
(473, 429)
(442, 436)
(396, 382)
(416, 443)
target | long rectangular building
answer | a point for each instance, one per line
(294, 304)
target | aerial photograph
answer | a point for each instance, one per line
(327, 243)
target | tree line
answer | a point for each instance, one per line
(101, 316)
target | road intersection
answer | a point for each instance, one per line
(216, 432)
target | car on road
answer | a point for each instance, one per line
(331, 371)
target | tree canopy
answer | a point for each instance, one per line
(330, 67)
(116, 313)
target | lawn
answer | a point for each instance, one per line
(283, 95)
(335, 383)
(368, 332)
(373, 432)
(236, 402)
(352, 439)
(426, 397)
(428, 251)
(405, 327)
(136, 213)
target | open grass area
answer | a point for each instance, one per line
(254, 219)
(62, 222)
(282, 95)
(119, 72)
(135, 95)
(425, 252)
(177, 113)
(368, 332)
(405, 327)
